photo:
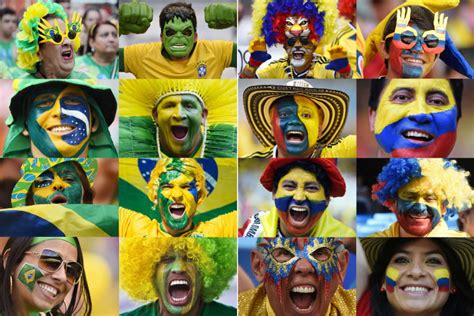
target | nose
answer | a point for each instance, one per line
(416, 271)
(299, 195)
(422, 118)
(418, 46)
(296, 30)
(56, 110)
(60, 274)
(177, 194)
(304, 267)
(59, 184)
(178, 112)
(178, 265)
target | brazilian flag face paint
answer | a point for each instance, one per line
(59, 122)
(417, 118)
(59, 184)
(295, 123)
(418, 207)
(179, 119)
(28, 275)
(300, 200)
(178, 282)
(177, 199)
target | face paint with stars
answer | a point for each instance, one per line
(59, 122)
(295, 123)
(28, 275)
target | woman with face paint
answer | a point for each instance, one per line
(431, 276)
(47, 41)
(43, 276)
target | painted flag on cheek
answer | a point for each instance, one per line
(421, 135)
(391, 277)
(442, 279)
(81, 220)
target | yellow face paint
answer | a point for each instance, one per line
(391, 277)
(300, 184)
(309, 115)
(420, 190)
(407, 97)
(442, 279)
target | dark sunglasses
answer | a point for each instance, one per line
(51, 261)
(304, 40)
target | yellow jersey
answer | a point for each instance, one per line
(282, 69)
(207, 61)
(134, 224)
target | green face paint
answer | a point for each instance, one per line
(179, 119)
(59, 184)
(177, 199)
(178, 283)
(178, 38)
(28, 275)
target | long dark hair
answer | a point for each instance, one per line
(17, 247)
(459, 303)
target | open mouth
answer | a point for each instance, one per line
(298, 54)
(299, 214)
(48, 290)
(59, 199)
(410, 60)
(67, 54)
(295, 136)
(61, 129)
(179, 132)
(418, 136)
(416, 290)
(177, 210)
(179, 292)
(303, 297)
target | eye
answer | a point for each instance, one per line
(304, 22)
(42, 183)
(289, 23)
(166, 186)
(167, 259)
(170, 32)
(313, 187)
(185, 186)
(401, 97)
(434, 261)
(187, 32)
(306, 115)
(437, 99)
(322, 254)
(401, 260)
(284, 114)
(430, 198)
(189, 105)
(282, 255)
(45, 103)
(69, 179)
(288, 185)
(72, 100)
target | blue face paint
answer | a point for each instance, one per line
(289, 131)
(326, 266)
(440, 125)
(75, 112)
(315, 207)
(406, 208)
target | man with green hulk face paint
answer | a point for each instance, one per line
(178, 283)
(178, 196)
(179, 117)
(59, 184)
(178, 38)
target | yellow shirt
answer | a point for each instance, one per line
(265, 224)
(280, 69)
(343, 148)
(134, 224)
(440, 230)
(208, 61)
(255, 303)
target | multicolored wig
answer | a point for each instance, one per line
(28, 37)
(448, 179)
(215, 259)
(188, 166)
(347, 8)
(269, 17)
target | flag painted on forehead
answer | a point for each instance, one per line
(82, 220)
(420, 135)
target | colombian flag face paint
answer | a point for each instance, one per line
(442, 279)
(295, 123)
(391, 277)
(417, 118)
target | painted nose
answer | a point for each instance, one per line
(59, 184)
(296, 30)
(299, 195)
(421, 118)
(177, 195)
(178, 112)
(304, 267)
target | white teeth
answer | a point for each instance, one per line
(299, 209)
(416, 289)
(413, 60)
(178, 299)
(176, 206)
(179, 282)
(61, 129)
(417, 134)
(303, 289)
(51, 290)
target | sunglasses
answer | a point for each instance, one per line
(304, 40)
(51, 261)
(54, 35)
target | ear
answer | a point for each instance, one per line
(25, 132)
(385, 54)
(201, 197)
(372, 117)
(462, 217)
(204, 116)
(258, 265)
(195, 36)
(343, 262)
(95, 122)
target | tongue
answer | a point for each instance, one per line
(302, 300)
(298, 216)
(177, 211)
(179, 291)
(179, 131)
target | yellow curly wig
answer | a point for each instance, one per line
(188, 166)
(215, 259)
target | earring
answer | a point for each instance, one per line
(11, 285)
(453, 290)
(382, 289)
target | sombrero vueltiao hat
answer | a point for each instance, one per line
(259, 99)
(32, 168)
(462, 247)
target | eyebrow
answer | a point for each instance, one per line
(432, 91)
(433, 252)
(402, 89)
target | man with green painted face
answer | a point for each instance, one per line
(176, 188)
(60, 118)
(179, 55)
